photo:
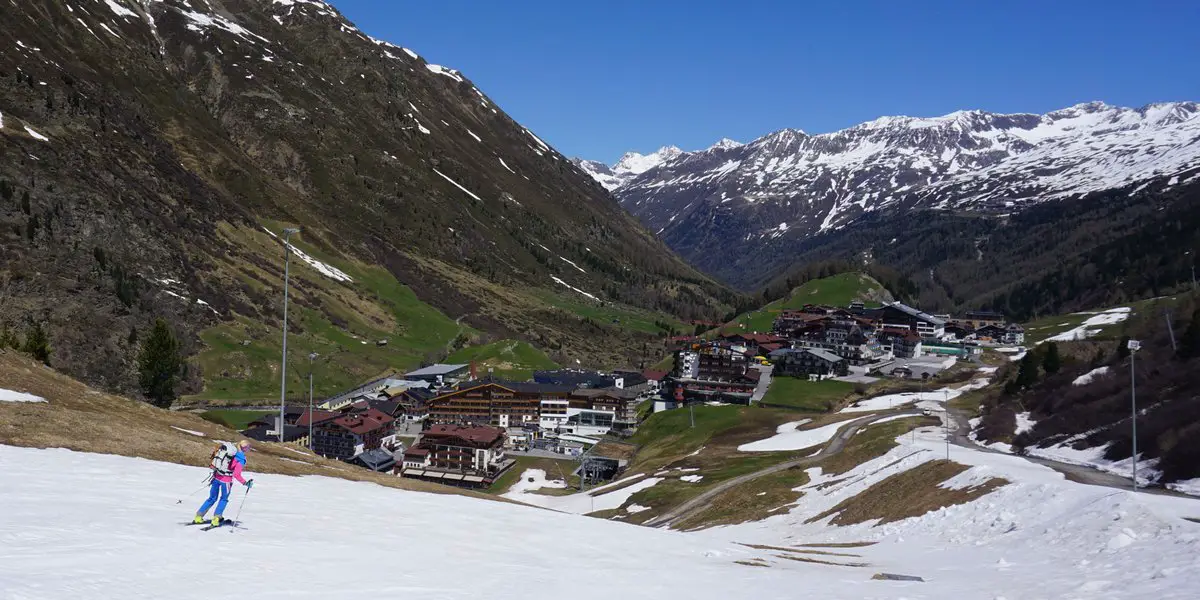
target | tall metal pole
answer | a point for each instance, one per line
(1133, 348)
(287, 260)
(1170, 330)
(1193, 266)
(311, 356)
(946, 405)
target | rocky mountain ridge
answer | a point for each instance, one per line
(152, 149)
(790, 185)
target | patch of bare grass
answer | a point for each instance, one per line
(754, 500)
(818, 561)
(838, 545)
(758, 562)
(911, 493)
(872, 442)
(798, 550)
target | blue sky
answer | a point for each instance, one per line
(596, 79)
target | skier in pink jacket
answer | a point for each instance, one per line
(227, 463)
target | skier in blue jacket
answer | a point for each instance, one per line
(227, 463)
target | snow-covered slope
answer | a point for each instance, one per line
(100, 526)
(791, 184)
(1038, 537)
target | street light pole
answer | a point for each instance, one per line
(946, 406)
(1134, 345)
(311, 356)
(287, 260)
(1193, 266)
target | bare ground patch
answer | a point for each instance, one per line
(906, 495)
(821, 562)
(799, 550)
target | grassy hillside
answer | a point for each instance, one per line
(838, 290)
(508, 359)
(343, 322)
(168, 150)
(811, 396)
(79, 418)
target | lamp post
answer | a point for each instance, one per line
(311, 357)
(1193, 265)
(946, 409)
(1134, 346)
(287, 258)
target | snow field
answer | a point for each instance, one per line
(1090, 376)
(787, 437)
(12, 396)
(578, 503)
(1089, 326)
(535, 479)
(1040, 536)
(127, 541)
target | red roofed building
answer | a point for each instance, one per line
(316, 417)
(458, 455)
(349, 435)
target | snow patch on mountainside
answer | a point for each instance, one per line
(1092, 325)
(325, 269)
(1090, 376)
(11, 396)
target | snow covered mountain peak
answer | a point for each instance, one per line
(968, 160)
(635, 163)
(725, 144)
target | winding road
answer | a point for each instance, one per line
(1076, 473)
(833, 447)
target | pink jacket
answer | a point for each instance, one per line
(237, 474)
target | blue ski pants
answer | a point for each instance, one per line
(215, 489)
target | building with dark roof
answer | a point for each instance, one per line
(497, 403)
(807, 362)
(458, 455)
(441, 374)
(263, 433)
(899, 315)
(351, 434)
(376, 459)
(576, 378)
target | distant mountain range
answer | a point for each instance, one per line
(788, 186)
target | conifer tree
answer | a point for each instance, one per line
(8, 338)
(159, 365)
(1027, 373)
(1051, 362)
(37, 344)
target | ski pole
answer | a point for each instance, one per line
(207, 480)
(240, 505)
